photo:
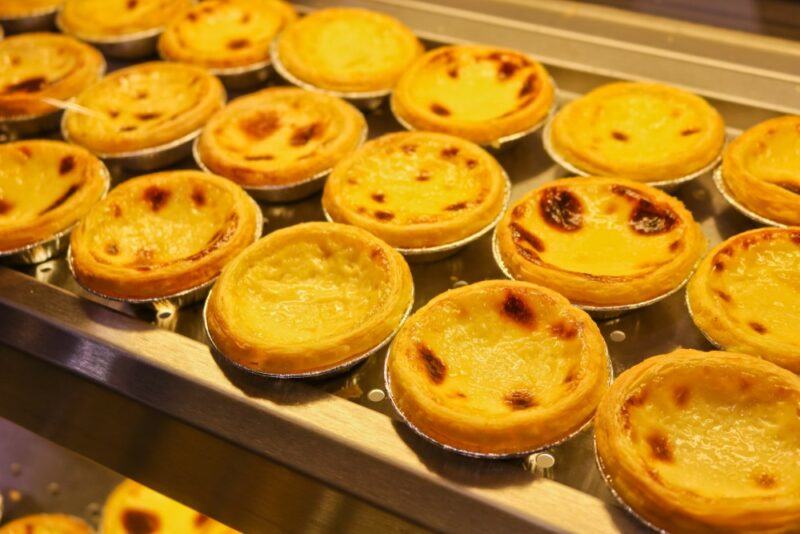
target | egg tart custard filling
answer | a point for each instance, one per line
(761, 169)
(45, 188)
(745, 295)
(348, 50)
(307, 299)
(600, 241)
(417, 189)
(498, 368)
(480, 93)
(144, 106)
(102, 20)
(704, 442)
(280, 136)
(161, 234)
(641, 131)
(223, 34)
(34, 66)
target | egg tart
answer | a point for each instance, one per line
(308, 299)
(223, 34)
(476, 92)
(600, 241)
(279, 137)
(761, 169)
(132, 508)
(347, 50)
(642, 131)
(34, 66)
(45, 188)
(417, 189)
(47, 524)
(745, 295)
(160, 234)
(15, 9)
(498, 368)
(144, 106)
(101, 20)
(704, 442)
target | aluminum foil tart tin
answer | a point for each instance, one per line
(484, 455)
(366, 101)
(175, 300)
(331, 371)
(15, 128)
(666, 185)
(39, 21)
(279, 193)
(705, 334)
(623, 504)
(719, 181)
(440, 252)
(245, 77)
(128, 46)
(596, 312)
(47, 248)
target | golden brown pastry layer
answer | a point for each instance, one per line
(44, 65)
(417, 189)
(100, 20)
(160, 234)
(476, 92)
(704, 442)
(11, 9)
(600, 241)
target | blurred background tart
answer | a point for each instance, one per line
(45, 188)
(161, 234)
(47, 524)
(348, 50)
(479, 93)
(417, 189)
(100, 20)
(600, 241)
(280, 136)
(144, 106)
(498, 367)
(14, 9)
(745, 295)
(647, 132)
(221, 34)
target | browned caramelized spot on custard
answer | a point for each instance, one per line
(689, 131)
(63, 198)
(198, 196)
(472, 163)
(156, 196)
(15, 60)
(791, 187)
(28, 85)
(132, 4)
(378, 255)
(139, 521)
(384, 215)
(423, 177)
(724, 296)
(561, 209)
(200, 520)
(261, 125)
(795, 237)
(648, 218)
(303, 134)
(378, 197)
(506, 70)
(765, 480)
(116, 211)
(453, 72)
(564, 329)
(520, 235)
(515, 307)
(142, 94)
(113, 113)
(520, 399)
(456, 207)
(675, 245)
(25, 150)
(527, 86)
(245, 18)
(758, 327)
(260, 157)
(619, 136)
(5, 206)
(519, 211)
(718, 266)
(660, 447)
(436, 369)
(681, 395)
(147, 116)
(440, 109)
(238, 44)
(192, 16)
(66, 165)
(449, 152)
(127, 128)
(111, 249)
(408, 148)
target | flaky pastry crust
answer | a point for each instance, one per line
(417, 189)
(161, 234)
(100, 20)
(308, 298)
(600, 241)
(704, 442)
(498, 367)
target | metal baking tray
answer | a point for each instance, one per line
(342, 431)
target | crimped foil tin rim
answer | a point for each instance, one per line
(486, 455)
(125, 38)
(291, 78)
(38, 13)
(719, 182)
(619, 309)
(661, 184)
(336, 369)
(455, 245)
(174, 297)
(504, 140)
(49, 241)
(228, 71)
(275, 188)
(607, 480)
(702, 331)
